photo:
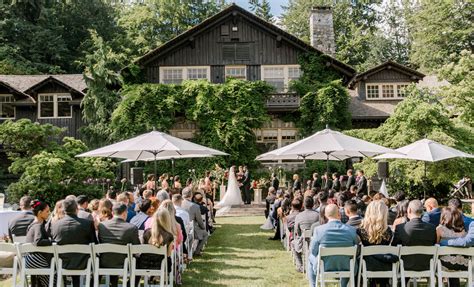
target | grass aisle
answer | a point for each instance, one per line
(240, 254)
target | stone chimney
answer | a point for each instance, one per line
(322, 29)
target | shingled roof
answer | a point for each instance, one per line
(372, 109)
(23, 83)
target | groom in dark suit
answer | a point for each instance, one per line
(246, 185)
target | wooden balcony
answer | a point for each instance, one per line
(283, 102)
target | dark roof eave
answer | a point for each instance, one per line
(401, 68)
(61, 83)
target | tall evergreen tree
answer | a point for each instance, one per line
(262, 9)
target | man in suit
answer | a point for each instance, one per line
(18, 225)
(332, 234)
(303, 221)
(415, 232)
(194, 212)
(316, 183)
(296, 182)
(361, 183)
(246, 185)
(73, 230)
(275, 182)
(82, 202)
(116, 231)
(327, 182)
(433, 212)
(350, 209)
(336, 184)
(350, 179)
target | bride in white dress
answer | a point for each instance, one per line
(232, 195)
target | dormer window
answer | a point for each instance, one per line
(385, 91)
(54, 106)
(7, 110)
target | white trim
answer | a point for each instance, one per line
(286, 80)
(55, 105)
(14, 108)
(235, 67)
(379, 85)
(184, 71)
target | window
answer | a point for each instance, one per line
(386, 91)
(236, 51)
(280, 76)
(372, 91)
(236, 72)
(7, 110)
(401, 93)
(176, 75)
(54, 106)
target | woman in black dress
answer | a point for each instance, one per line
(37, 235)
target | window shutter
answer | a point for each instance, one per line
(228, 52)
(242, 52)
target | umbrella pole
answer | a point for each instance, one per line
(426, 182)
(327, 162)
(172, 166)
(154, 168)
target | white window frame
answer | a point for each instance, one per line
(14, 108)
(235, 67)
(55, 105)
(184, 70)
(286, 79)
(380, 97)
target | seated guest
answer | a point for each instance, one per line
(350, 209)
(180, 212)
(160, 234)
(83, 202)
(296, 206)
(341, 200)
(18, 225)
(457, 203)
(146, 210)
(200, 232)
(116, 231)
(332, 234)
(58, 213)
(105, 209)
(452, 226)
(199, 200)
(433, 212)
(162, 195)
(94, 208)
(322, 199)
(402, 213)
(38, 236)
(415, 232)
(303, 221)
(375, 231)
(73, 230)
(466, 241)
(124, 198)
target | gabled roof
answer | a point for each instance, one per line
(237, 10)
(27, 97)
(388, 65)
(25, 83)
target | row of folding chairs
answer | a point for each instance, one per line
(397, 271)
(56, 270)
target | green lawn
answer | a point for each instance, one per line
(240, 254)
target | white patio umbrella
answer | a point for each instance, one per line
(172, 158)
(326, 144)
(152, 145)
(425, 150)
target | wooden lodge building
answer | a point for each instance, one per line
(233, 43)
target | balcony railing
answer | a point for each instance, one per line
(287, 101)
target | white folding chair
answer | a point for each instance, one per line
(148, 249)
(376, 250)
(13, 270)
(190, 241)
(22, 252)
(282, 232)
(467, 274)
(18, 239)
(73, 248)
(306, 240)
(325, 252)
(418, 250)
(98, 249)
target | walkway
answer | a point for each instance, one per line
(240, 254)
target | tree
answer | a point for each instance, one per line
(262, 9)
(440, 29)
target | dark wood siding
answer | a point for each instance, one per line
(389, 75)
(207, 50)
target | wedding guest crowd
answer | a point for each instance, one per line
(117, 218)
(338, 211)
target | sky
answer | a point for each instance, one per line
(275, 4)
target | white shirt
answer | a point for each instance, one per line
(183, 214)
